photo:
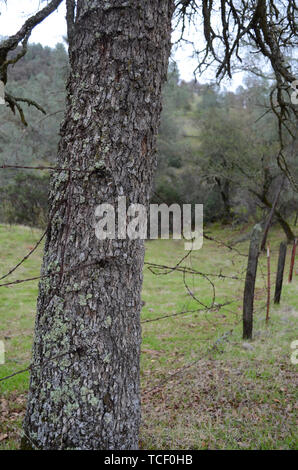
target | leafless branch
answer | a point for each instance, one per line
(10, 44)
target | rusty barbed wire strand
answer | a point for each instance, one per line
(193, 295)
(221, 243)
(153, 267)
(186, 367)
(25, 257)
(42, 167)
(215, 308)
(170, 269)
(55, 273)
(167, 268)
(31, 366)
(69, 170)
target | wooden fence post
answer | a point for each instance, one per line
(292, 260)
(268, 283)
(250, 280)
(280, 271)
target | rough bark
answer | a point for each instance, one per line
(84, 388)
(292, 262)
(280, 271)
(250, 280)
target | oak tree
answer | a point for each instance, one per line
(84, 388)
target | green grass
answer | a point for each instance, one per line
(231, 398)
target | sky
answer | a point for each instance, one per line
(15, 13)
(52, 29)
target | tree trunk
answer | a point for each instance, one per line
(84, 387)
(250, 281)
(270, 217)
(280, 271)
(286, 227)
(224, 188)
(284, 224)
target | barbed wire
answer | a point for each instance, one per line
(186, 269)
(154, 268)
(25, 257)
(31, 366)
(214, 308)
(168, 269)
(181, 370)
(50, 168)
(221, 243)
(55, 273)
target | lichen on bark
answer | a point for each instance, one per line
(84, 386)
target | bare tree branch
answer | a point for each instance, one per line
(265, 27)
(10, 44)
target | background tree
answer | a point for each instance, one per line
(231, 29)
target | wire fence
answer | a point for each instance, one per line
(157, 270)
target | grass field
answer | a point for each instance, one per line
(203, 387)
